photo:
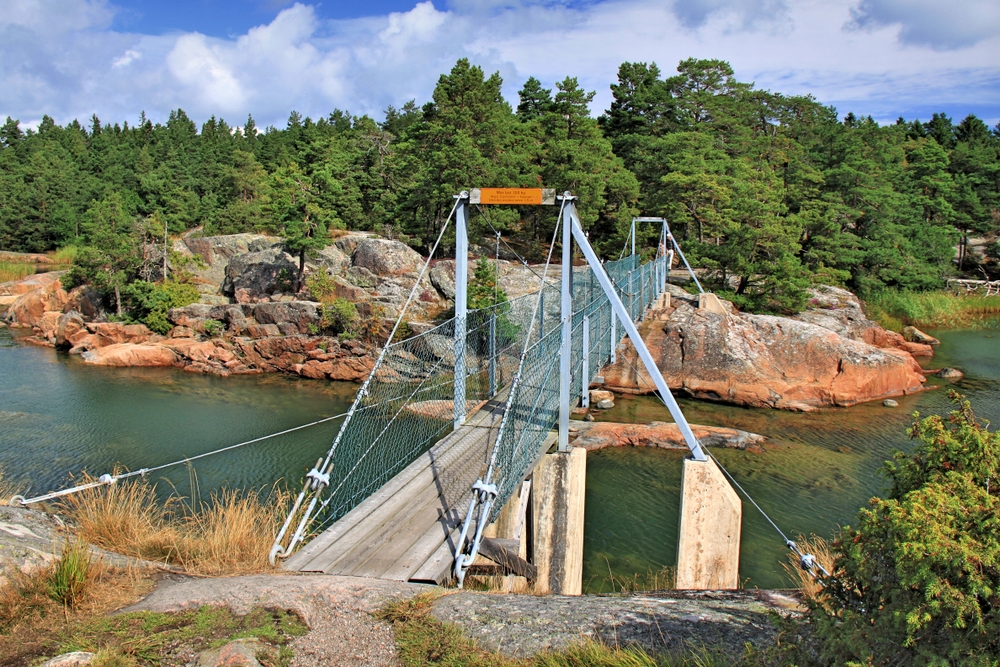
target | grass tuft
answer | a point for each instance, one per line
(8, 489)
(232, 533)
(894, 310)
(70, 574)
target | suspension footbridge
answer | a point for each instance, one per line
(451, 421)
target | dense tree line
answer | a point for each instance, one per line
(773, 192)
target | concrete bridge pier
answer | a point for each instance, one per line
(708, 549)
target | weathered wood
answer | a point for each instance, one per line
(504, 553)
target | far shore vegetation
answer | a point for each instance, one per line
(770, 193)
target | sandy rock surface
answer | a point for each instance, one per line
(338, 611)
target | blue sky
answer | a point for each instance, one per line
(116, 58)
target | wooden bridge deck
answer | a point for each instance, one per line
(406, 531)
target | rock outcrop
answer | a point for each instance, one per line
(763, 360)
(665, 435)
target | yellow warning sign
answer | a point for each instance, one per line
(513, 196)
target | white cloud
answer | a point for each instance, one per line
(75, 65)
(942, 25)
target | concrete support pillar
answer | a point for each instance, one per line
(710, 302)
(558, 492)
(708, 551)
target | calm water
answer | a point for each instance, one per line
(59, 417)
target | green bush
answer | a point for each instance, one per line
(162, 298)
(321, 286)
(339, 316)
(918, 581)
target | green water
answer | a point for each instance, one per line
(817, 470)
(59, 417)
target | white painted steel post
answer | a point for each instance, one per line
(461, 301)
(661, 385)
(614, 337)
(493, 354)
(566, 313)
(585, 372)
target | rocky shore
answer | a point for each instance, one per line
(247, 322)
(830, 355)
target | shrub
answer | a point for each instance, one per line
(162, 298)
(213, 328)
(339, 316)
(320, 286)
(918, 581)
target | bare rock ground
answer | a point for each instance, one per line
(523, 625)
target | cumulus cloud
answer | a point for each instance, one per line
(941, 25)
(75, 64)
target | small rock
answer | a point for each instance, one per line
(74, 659)
(915, 335)
(605, 404)
(950, 373)
(889, 403)
(598, 395)
(588, 417)
(239, 653)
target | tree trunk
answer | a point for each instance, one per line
(744, 281)
(302, 271)
(118, 300)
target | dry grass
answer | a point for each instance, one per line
(818, 547)
(36, 599)
(8, 489)
(232, 533)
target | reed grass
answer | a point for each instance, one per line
(231, 533)
(70, 574)
(10, 271)
(932, 310)
(64, 255)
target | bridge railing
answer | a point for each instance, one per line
(533, 406)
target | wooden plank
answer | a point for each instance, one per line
(504, 553)
(420, 514)
(302, 559)
(437, 568)
(382, 509)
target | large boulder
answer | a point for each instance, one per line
(763, 361)
(385, 257)
(256, 274)
(87, 301)
(302, 314)
(214, 253)
(125, 354)
(29, 308)
(69, 328)
(598, 435)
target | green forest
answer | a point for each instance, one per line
(771, 192)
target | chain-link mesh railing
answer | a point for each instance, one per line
(407, 404)
(533, 406)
